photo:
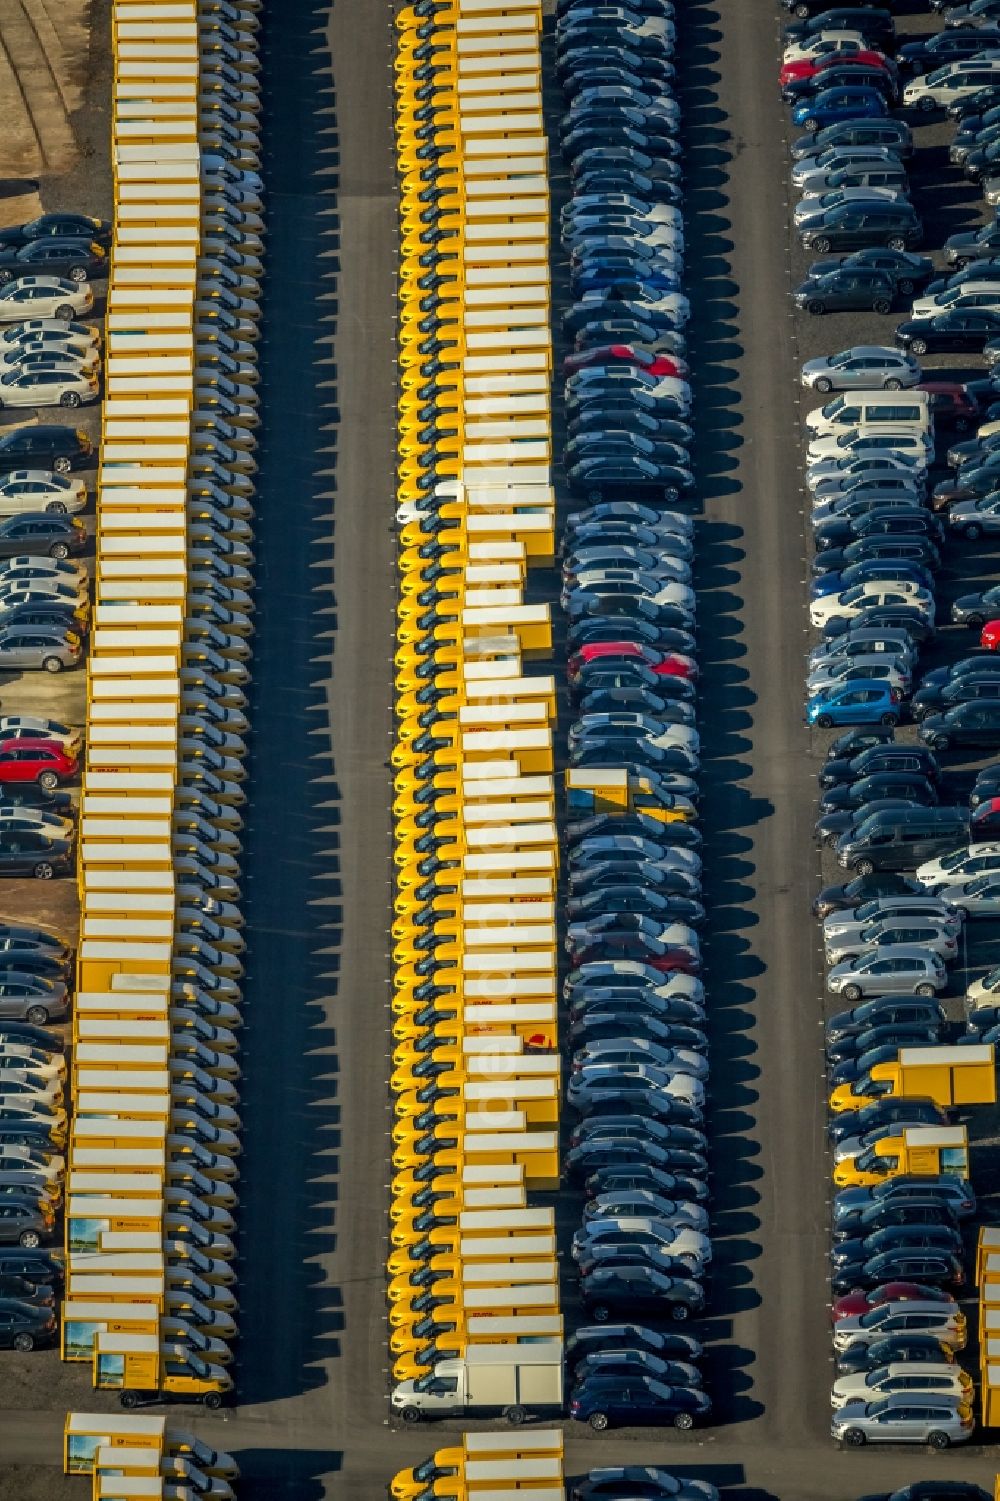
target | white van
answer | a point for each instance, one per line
(901, 410)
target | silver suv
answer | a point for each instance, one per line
(905, 970)
(904, 1419)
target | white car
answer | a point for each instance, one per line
(48, 388)
(858, 440)
(882, 665)
(47, 590)
(969, 294)
(51, 331)
(24, 567)
(41, 490)
(29, 354)
(45, 296)
(14, 819)
(818, 203)
(959, 865)
(984, 991)
(903, 1377)
(869, 596)
(953, 81)
(822, 42)
(20, 1057)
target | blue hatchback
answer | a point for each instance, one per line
(833, 105)
(865, 702)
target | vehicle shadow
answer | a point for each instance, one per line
(301, 1474)
(292, 1316)
(728, 811)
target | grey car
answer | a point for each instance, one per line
(24, 1222)
(979, 897)
(865, 366)
(903, 1419)
(813, 170)
(32, 998)
(30, 648)
(936, 908)
(927, 933)
(905, 971)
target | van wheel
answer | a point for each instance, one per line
(411, 1415)
(212, 1400)
(679, 1312)
(938, 1440)
(683, 1421)
(65, 312)
(24, 1343)
(48, 780)
(598, 1421)
(600, 1314)
(918, 346)
(128, 1399)
(56, 508)
(43, 871)
(515, 1416)
(854, 1437)
(881, 305)
(864, 868)
(58, 550)
(52, 664)
(852, 992)
(926, 990)
(972, 532)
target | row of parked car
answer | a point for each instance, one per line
(887, 809)
(635, 1003)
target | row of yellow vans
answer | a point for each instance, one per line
(487, 1462)
(154, 1136)
(132, 1458)
(475, 1068)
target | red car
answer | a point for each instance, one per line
(985, 821)
(663, 663)
(631, 354)
(809, 67)
(41, 761)
(889, 1292)
(989, 636)
(951, 403)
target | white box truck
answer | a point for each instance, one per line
(513, 1380)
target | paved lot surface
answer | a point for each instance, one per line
(311, 1421)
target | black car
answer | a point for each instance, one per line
(640, 1289)
(45, 446)
(970, 245)
(608, 1401)
(975, 609)
(644, 1482)
(68, 226)
(55, 256)
(929, 1213)
(888, 1112)
(862, 889)
(847, 796)
(644, 1175)
(850, 289)
(934, 1490)
(35, 852)
(874, 22)
(907, 1010)
(935, 1268)
(40, 1295)
(590, 1157)
(942, 47)
(878, 758)
(895, 1349)
(856, 225)
(961, 329)
(31, 795)
(970, 687)
(972, 723)
(36, 1037)
(46, 1267)
(834, 73)
(25, 1326)
(850, 1203)
(591, 1339)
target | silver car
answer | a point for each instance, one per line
(881, 666)
(979, 897)
(922, 1418)
(904, 971)
(943, 1321)
(936, 908)
(868, 366)
(834, 476)
(32, 648)
(892, 932)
